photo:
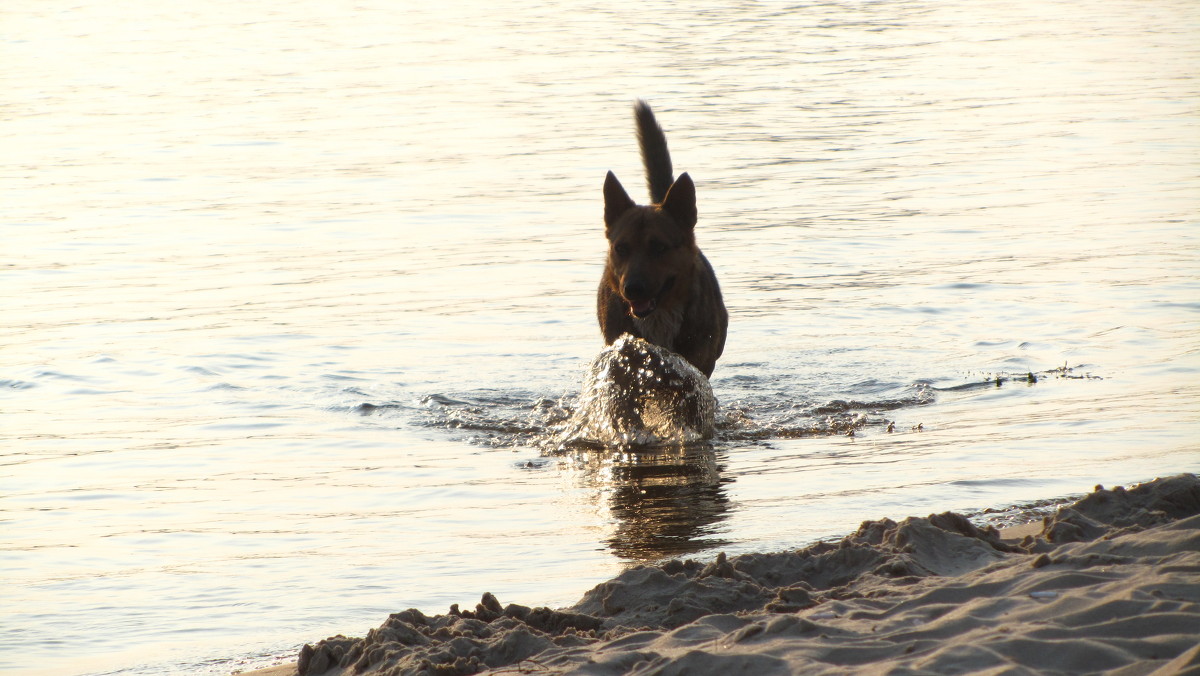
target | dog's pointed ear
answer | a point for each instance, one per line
(680, 201)
(616, 200)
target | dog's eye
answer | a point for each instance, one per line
(621, 249)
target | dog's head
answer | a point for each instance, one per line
(651, 249)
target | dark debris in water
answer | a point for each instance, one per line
(1068, 372)
(1029, 378)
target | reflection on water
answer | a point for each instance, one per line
(293, 293)
(666, 501)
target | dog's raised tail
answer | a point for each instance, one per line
(655, 156)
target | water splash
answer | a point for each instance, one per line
(636, 394)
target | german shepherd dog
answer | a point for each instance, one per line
(656, 284)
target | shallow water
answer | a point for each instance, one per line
(293, 295)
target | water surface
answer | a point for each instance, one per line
(292, 294)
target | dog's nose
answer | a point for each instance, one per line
(635, 290)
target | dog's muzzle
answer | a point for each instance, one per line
(641, 303)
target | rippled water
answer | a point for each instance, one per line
(293, 294)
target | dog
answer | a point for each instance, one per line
(657, 285)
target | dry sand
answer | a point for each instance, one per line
(1109, 584)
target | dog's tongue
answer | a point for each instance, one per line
(641, 307)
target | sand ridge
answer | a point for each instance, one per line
(1110, 584)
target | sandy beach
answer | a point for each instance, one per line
(1109, 584)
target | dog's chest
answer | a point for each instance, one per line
(661, 328)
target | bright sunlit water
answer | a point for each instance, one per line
(293, 292)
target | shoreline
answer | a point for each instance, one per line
(1108, 583)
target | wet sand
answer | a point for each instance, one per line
(1108, 584)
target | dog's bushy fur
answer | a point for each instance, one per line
(657, 285)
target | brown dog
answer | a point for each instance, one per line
(657, 285)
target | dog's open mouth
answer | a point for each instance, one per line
(641, 308)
